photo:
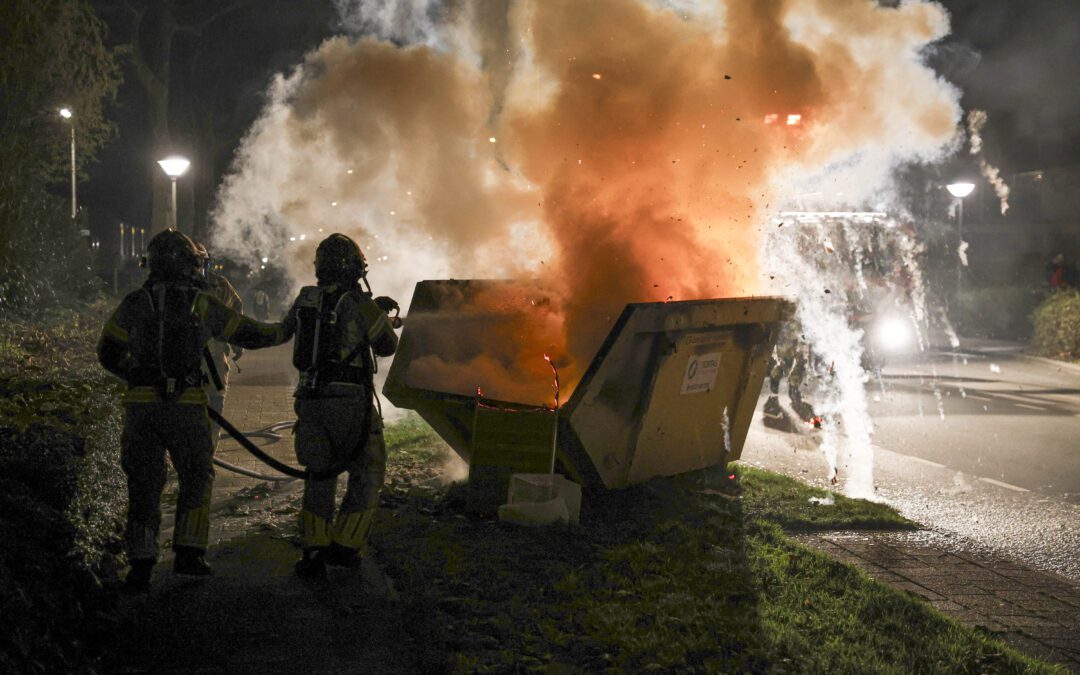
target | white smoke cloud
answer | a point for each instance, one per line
(976, 120)
(617, 149)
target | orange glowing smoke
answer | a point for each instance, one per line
(495, 342)
(614, 149)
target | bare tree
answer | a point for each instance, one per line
(150, 31)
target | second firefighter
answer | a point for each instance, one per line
(339, 330)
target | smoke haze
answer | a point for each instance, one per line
(617, 150)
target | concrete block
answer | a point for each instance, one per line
(541, 499)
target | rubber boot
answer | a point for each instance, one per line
(804, 410)
(342, 556)
(772, 407)
(189, 561)
(138, 577)
(775, 417)
(313, 564)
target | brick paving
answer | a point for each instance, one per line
(259, 396)
(1032, 611)
(254, 614)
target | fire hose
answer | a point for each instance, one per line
(266, 432)
(290, 472)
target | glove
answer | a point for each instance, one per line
(387, 304)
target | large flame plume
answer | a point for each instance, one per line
(618, 150)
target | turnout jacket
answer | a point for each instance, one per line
(350, 323)
(219, 348)
(156, 337)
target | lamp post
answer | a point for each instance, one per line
(67, 115)
(174, 167)
(959, 191)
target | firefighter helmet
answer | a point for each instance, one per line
(339, 260)
(172, 255)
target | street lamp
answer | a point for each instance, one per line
(959, 191)
(174, 167)
(66, 114)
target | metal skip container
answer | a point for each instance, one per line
(671, 389)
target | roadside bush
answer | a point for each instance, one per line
(997, 312)
(61, 497)
(44, 263)
(1057, 326)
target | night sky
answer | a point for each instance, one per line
(1015, 60)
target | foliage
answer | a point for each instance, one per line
(61, 495)
(52, 54)
(689, 574)
(1057, 326)
(999, 312)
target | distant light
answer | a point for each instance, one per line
(65, 113)
(320, 229)
(960, 190)
(393, 213)
(174, 166)
(895, 334)
(262, 267)
(597, 76)
(491, 139)
(303, 237)
(292, 238)
(333, 203)
(266, 260)
(792, 120)
(349, 172)
(771, 118)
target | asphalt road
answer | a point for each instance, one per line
(981, 445)
(993, 414)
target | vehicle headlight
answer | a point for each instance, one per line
(894, 334)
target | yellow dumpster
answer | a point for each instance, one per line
(671, 389)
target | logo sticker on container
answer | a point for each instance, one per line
(700, 374)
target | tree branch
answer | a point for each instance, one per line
(198, 27)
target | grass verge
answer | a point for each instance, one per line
(691, 573)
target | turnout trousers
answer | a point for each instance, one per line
(151, 430)
(330, 434)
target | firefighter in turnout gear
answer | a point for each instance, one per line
(339, 329)
(155, 340)
(220, 350)
(789, 360)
